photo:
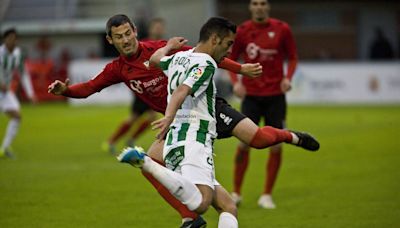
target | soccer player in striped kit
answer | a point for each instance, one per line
(11, 62)
(270, 42)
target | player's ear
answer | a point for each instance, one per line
(214, 39)
(109, 39)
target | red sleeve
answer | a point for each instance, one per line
(291, 52)
(106, 78)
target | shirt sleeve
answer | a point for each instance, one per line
(165, 61)
(199, 78)
(107, 77)
(290, 51)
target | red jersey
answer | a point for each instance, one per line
(270, 44)
(147, 82)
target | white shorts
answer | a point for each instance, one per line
(9, 102)
(193, 160)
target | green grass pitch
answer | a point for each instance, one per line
(61, 178)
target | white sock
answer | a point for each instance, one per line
(184, 190)
(12, 129)
(227, 220)
(295, 138)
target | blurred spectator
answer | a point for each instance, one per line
(11, 63)
(380, 48)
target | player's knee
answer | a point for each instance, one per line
(204, 205)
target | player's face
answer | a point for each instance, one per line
(124, 39)
(223, 47)
(10, 41)
(259, 10)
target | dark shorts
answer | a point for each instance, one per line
(139, 107)
(227, 118)
(272, 108)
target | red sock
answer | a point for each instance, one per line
(269, 136)
(274, 162)
(143, 126)
(171, 200)
(241, 162)
(123, 128)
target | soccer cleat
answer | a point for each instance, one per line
(266, 202)
(108, 147)
(236, 198)
(199, 222)
(7, 153)
(133, 156)
(306, 141)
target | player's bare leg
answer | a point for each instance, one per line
(196, 197)
(226, 207)
(262, 137)
(11, 131)
(188, 217)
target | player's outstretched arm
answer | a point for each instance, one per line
(58, 87)
(173, 44)
(177, 98)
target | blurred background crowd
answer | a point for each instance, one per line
(53, 33)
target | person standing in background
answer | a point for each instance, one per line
(270, 42)
(141, 113)
(11, 62)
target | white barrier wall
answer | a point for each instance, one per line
(84, 70)
(314, 83)
(346, 83)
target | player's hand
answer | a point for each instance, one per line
(239, 90)
(58, 87)
(251, 69)
(163, 126)
(176, 43)
(286, 85)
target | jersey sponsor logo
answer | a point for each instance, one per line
(152, 85)
(227, 120)
(196, 73)
(136, 86)
(146, 64)
(254, 51)
(271, 34)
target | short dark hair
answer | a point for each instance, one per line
(218, 25)
(116, 21)
(9, 32)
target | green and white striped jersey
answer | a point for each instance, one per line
(196, 116)
(9, 62)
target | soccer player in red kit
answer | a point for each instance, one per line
(270, 42)
(139, 109)
(150, 85)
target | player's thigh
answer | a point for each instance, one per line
(252, 108)
(156, 150)
(245, 130)
(222, 201)
(275, 113)
(227, 118)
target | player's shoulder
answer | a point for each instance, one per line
(278, 23)
(152, 45)
(244, 26)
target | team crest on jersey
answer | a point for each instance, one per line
(271, 34)
(196, 73)
(146, 64)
